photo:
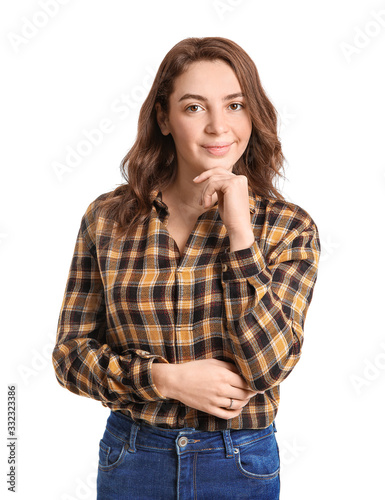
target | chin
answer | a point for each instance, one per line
(223, 161)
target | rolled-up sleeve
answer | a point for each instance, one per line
(266, 301)
(83, 362)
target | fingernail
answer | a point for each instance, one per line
(195, 178)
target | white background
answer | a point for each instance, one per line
(322, 64)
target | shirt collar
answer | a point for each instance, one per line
(156, 199)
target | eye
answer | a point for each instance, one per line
(236, 106)
(193, 108)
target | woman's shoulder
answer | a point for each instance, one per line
(284, 225)
(283, 213)
(94, 216)
(94, 206)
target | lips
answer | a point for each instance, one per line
(218, 149)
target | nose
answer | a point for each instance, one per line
(216, 122)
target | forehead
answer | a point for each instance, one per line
(207, 78)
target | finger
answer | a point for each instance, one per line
(225, 364)
(238, 382)
(213, 171)
(241, 394)
(225, 414)
(218, 186)
(235, 379)
(233, 403)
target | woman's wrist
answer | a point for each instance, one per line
(160, 373)
(240, 239)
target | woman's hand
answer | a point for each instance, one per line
(233, 203)
(207, 385)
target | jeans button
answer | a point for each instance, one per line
(182, 441)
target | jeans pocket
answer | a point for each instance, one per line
(112, 451)
(259, 459)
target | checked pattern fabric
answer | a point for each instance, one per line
(130, 302)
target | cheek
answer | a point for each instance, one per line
(248, 125)
(242, 127)
(246, 132)
(183, 134)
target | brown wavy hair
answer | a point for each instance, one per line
(150, 165)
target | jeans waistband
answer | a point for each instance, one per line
(185, 440)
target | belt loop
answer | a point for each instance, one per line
(228, 443)
(134, 432)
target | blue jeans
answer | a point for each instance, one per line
(152, 463)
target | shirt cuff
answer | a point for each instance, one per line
(242, 264)
(142, 381)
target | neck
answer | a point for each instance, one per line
(184, 192)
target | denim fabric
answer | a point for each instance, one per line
(151, 463)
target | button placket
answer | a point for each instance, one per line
(184, 278)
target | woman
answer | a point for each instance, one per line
(187, 294)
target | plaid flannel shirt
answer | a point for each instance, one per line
(133, 301)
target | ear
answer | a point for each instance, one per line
(161, 118)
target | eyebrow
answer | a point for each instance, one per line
(201, 98)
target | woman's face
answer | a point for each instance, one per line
(207, 118)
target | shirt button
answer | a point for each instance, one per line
(224, 267)
(182, 441)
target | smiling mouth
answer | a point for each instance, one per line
(218, 149)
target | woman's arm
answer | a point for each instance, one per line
(207, 385)
(83, 362)
(266, 302)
